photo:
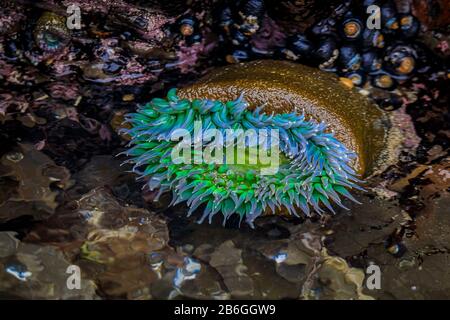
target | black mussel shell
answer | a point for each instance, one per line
(389, 18)
(387, 101)
(254, 8)
(349, 58)
(187, 26)
(195, 38)
(371, 62)
(401, 59)
(112, 67)
(249, 27)
(326, 27)
(250, 12)
(367, 3)
(373, 38)
(285, 53)
(226, 18)
(155, 65)
(257, 53)
(325, 49)
(358, 77)
(409, 26)
(298, 45)
(138, 19)
(11, 50)
(384, 80)
(425, 59)
(237, 56)
(351, 27)
(238, 38)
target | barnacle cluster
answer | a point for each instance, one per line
(377, 57)
(314, 171)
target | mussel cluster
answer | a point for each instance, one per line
(240, 21)
(378, 57)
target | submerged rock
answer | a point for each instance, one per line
(35, 181)
(227, 260)
(108, 241)
(32, 271)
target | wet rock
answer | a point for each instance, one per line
(76, 134)
(30, 271)
(367, 225)
(106, 218)
(287, 268)
(227, 260)
(102, 170)
(304, 260)
(337, 280)
(293, 273)
(196, 280)
(204, 252)
(409, 247)
(291, 259)
(267, 281)
(36, 179)
(9, 244)
(146, 21)
(403, 133)
(184, 277)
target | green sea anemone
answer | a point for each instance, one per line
(315, 169)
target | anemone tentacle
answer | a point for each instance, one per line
(316, 174)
